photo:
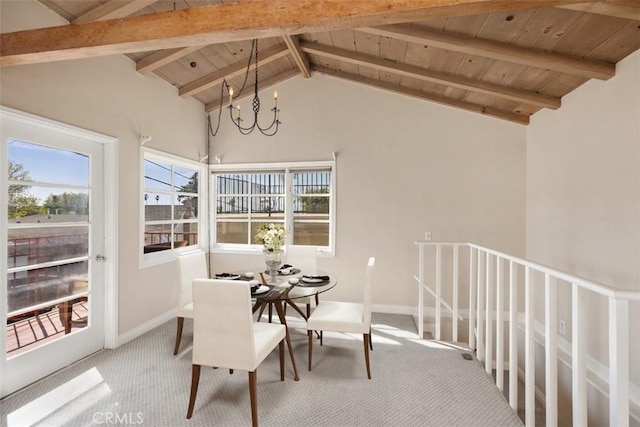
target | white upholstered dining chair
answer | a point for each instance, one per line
(346, 317)
(225, 335)
(306, 259)
(190, 266)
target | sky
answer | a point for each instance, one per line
(51, 166)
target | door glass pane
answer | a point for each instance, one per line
(28, 330)
(32, 162)
(35, 204)
(37, 286)
(32, 246)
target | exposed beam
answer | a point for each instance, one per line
(113, 9)
(464, 105)
(266, 83)
(231, 22)
(300, 58)
(57, 9)
(502, 51)
(513, 94)
(618, 9)
(233, 70)
(163, 57)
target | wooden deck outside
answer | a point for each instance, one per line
(34, 331)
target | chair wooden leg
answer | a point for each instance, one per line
(370, 340)
(195, 378)
(254, 398)
(310, 336)
(317, 300)
(308, 310)
(281, 353)
(321, 332)
(261, 311)
(270, 312)
(231, 371)
(178, 335)
(365, 340)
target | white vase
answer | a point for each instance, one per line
(273, 259)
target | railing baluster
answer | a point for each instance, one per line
(513, 336)
(438, 292)
(551, 349)
(454, 317)
(529, 359)
(499, 325)
(472, 298)
(618, 362)
(480, 304)
(488, 350)
(578, 359)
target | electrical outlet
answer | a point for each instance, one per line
(427, 235)
(562, 327)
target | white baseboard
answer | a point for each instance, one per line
(146, 327)
(393, 309)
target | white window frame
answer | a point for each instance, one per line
(163, 257)
(287, 168)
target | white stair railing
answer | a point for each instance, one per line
(491, 275)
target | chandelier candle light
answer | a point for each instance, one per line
(246, 130)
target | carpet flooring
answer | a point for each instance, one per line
(414, 382)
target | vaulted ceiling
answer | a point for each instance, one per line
(505, 59)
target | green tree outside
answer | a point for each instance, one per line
(21, 204)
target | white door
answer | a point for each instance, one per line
(54, 233)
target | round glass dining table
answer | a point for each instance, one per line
(281, 292)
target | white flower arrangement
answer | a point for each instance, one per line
(271, 236)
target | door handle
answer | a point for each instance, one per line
(101, 258)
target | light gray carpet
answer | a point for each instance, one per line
(414, 383)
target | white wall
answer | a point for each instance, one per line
(405, 166)
(107, 95)
(583, 196)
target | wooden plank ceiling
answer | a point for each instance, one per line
(505, 59)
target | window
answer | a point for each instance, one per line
(300, 196)
(172, 203)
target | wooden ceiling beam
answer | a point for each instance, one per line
(513, 94)
(160, 58)
(231, 71)
(113, 9)
(497, 50)
(619, 9)
(464, 105)
(265, 84)
(231, 22)
(300, 58)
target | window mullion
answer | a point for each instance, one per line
(288, 206)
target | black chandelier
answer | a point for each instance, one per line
(234, 110)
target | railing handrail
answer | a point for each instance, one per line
(600, 288)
